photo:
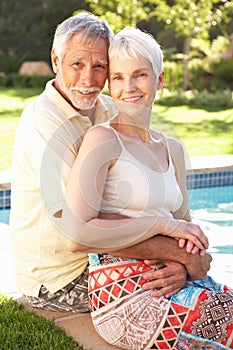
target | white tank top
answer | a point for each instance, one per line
(134, 190)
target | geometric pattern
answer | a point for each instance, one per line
(128, 317)
(216, 313)
(113, 282)
(141, 322)
(174, 323)
(135, 322)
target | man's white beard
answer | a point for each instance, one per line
(84, 103)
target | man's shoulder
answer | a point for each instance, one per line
(107, 105)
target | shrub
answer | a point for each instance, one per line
(173, 75)
(23, 81)
(221, 99)
(10, 62)
(213, 100)
(173, 99)
(196, 74)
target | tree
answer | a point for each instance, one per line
(192, 19)
(27, 28)
(121, 13)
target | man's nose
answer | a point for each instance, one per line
(87, 76)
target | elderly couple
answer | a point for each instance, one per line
(99, 217)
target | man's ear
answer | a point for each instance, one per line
(160, 81)
(55, 61)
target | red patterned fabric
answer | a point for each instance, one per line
(128, 317)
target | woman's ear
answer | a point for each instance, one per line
(160, 81)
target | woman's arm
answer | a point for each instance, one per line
(177, 153)
(80, 221)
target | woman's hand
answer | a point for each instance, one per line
(189, 234)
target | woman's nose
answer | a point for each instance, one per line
(129, 85)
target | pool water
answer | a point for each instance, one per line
(4, 215)
(212, 204)
(212, 209)
(209, 205)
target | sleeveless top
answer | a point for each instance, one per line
(133, 189)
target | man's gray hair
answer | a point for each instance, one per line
(89, 26)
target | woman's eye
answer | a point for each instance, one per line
(116, 78)
(140, 75)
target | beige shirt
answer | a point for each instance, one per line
(46, 145)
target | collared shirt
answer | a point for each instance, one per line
(46, 145)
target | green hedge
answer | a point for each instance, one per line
(23, 81)
(218, 100)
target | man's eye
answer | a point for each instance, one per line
(101, 66)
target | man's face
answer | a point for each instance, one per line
(82, 72)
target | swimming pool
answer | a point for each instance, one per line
(213, 204)
(4, 215)
(212, 209)
(208, 204)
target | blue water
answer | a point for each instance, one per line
(4, 215)
(209, 204)
(212, 209)
(212, 204)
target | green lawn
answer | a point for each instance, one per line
(201, 131)
(12, 102)
(22, 329)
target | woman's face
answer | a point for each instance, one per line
(132, 83)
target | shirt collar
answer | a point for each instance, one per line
(101, 112)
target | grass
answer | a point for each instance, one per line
(23, 329)
(202, 131)
(12, 103)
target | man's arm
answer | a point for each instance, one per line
(166, 248)
(179, 265)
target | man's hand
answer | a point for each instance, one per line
(166, 281)
(197, 266)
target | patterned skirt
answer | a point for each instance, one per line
(200, 316)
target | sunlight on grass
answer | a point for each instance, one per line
(12, 102)
(202, 132)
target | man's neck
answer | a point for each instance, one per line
(90, 113)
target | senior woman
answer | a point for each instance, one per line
(125, 168)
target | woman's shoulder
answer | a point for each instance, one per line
(174, 144)
(101, 131)
(170, 141)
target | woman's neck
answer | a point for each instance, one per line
(132, 131)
